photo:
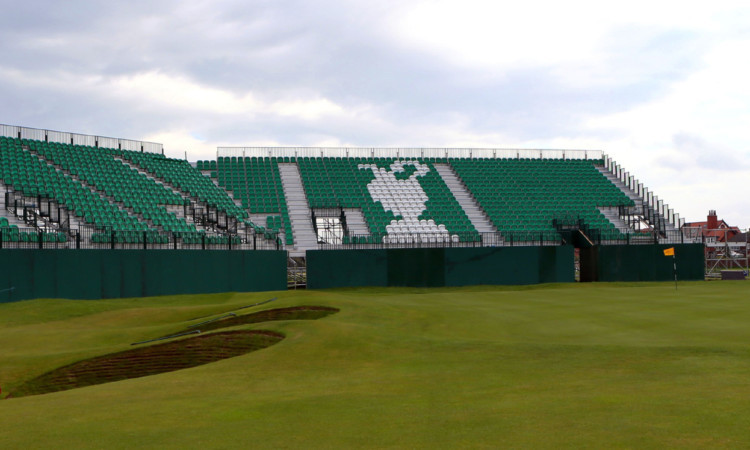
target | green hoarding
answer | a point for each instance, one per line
(436, 267)
(95, 274)
(346, 268)
(642, 262)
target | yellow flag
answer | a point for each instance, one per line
(669, 251)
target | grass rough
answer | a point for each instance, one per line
(622, 365)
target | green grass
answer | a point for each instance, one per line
(551, 366)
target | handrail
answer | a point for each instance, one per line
(62, 137)
(405, 152)
(648, 197)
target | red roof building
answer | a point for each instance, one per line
(714, 229)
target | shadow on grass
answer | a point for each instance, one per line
(174, 355)
(271, 315)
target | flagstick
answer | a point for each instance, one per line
(674, 265)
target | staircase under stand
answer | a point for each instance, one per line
(300, 215)
(468, 203)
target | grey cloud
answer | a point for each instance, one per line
(695, 153)
(296, 48)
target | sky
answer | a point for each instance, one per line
(661, 87)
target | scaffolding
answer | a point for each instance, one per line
(721, 254)
(725, 256)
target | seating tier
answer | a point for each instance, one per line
(528, 194)
(27, 173)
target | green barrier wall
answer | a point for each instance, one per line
(436, 267)
(509, 265)
(642, 263)
(95, 274)
(346, 268)
(418, 267)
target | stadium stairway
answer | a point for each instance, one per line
(616, 181)
(639, 202)
(457, 187)
(299, 211)
(355, 222)
(613, 216)
(11, 218)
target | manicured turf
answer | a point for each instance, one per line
(565, 366)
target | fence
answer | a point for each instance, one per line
(33, 210)
(61, 137)
(376, 152)
(656, 208)
(642, 263)
(505, 239)
(643, 238)
(92, 238)
(94, 274)
(88, 237)
(435, 267)
(53, 230)
(29, 238)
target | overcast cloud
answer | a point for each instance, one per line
(662, 87)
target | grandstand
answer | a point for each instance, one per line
(66, 190)
(63, 194)
(441, 197)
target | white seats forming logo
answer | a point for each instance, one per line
(407, 199)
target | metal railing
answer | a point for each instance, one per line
(91, 238)
(640, 238)
(31, 238)
(33, 210)
(435, 240)
(505, 239)
(655, 209)
(616, 237)
(17, 132)
(380, 152)
(44, 214)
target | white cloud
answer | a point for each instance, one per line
(162, 90)
(179, 142)
(176, 92)
(501, 34)
(712, 101)
(698, 125)
(539, 32)
(305, 109)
